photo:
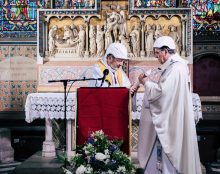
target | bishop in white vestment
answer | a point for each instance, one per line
(167, 141)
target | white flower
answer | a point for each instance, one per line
(100, 156)
(87, 152)
(101, 132)
(89, 170)
(77, 154)
(106, 161)
(106, 151)
(121, 169)
(81, 170)
(110, 172)
(67, 171)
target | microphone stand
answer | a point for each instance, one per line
(65, 81)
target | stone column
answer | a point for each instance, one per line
(142, 39)
(46, 38)
(48, 144)
(70, 139)
(87, 40)
(183, 51)
(6, 151)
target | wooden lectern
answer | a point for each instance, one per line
(106, 109)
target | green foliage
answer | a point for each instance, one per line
(100, 156)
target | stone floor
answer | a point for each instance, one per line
(37, 164)
(8, 168)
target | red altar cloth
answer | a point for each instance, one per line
(104, 109)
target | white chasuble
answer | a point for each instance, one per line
(170, 118)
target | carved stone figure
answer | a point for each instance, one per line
(92, 41)
(123, 29)
(174, 34)
(158, 32)
(115, 26)
(74, 30)
(68, 34)
(149, 39)
(135, 40)
(108, 32)
(81, 41)
(68, 40)
(100, 41)
(52, 38)
(125, 42)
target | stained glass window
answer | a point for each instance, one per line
(18, 18)
(153, 3)
(75, 4)
(206, 14)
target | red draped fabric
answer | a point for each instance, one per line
(104, 109)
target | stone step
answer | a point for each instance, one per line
(36, 164)
(7, 168)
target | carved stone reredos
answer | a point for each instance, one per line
(70, 36)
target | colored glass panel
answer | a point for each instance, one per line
(206, 14)
(18, 17)
(154, 3)
(75, 4)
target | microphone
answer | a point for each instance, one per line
(105, 73)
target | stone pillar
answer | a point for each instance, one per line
(48, 144)
(45, 42)
(142, 39)
(71, 139)
(6, 151)
(87, 40)
(183, 51)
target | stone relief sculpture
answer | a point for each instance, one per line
(81, 40)
(149, 39)
(68, 33)
(116, 24)
(114, 16)
(108, 36)
(158, 31)
(125, 42)
(108, 31)
(74, 30)
(52, 39)
(92, 40)
(74, 40)
(69, 39)
(100, 41)
(175, 35)
(135, 40)
(123, 28)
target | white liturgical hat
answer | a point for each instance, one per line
(165, 41)
(118, 50)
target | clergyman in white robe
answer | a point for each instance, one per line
(116, 77)
(167, 120)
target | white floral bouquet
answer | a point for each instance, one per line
(100, 156)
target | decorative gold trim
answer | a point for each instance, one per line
(130, 123)
(75, 116)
